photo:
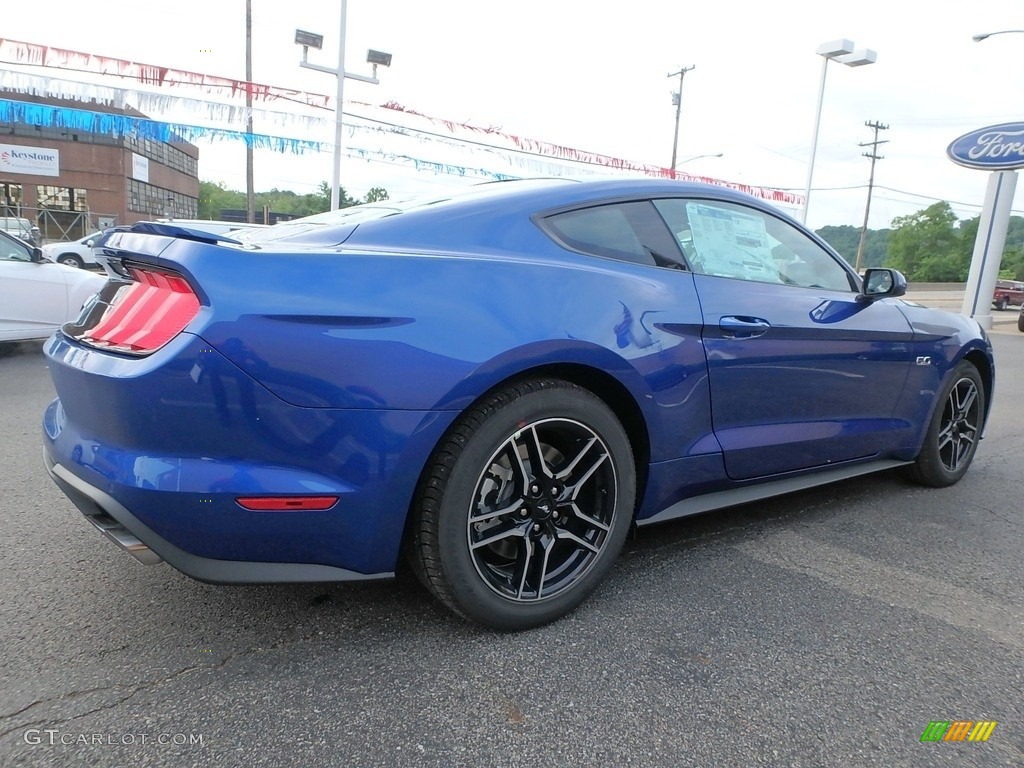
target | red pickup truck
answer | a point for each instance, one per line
(1008, 292)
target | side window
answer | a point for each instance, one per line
(631, 232)
(728, 240)
(12, 249)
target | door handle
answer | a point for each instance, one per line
(743, 327)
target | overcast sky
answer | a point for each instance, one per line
(593, 76)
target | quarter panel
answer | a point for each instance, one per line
(435, 331)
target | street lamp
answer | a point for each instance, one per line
(312, 40)
(986, 35)
(843, 52)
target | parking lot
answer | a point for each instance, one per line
(826, 628)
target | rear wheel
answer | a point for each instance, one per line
(525, 505)
(1020, 320)
(955, 429)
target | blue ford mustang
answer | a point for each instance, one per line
(498, 383)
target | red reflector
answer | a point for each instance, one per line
(146, 314)
(286, 503)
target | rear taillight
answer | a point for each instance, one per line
(138, 318)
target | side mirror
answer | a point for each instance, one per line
(88, 243)
(37, 255)
(882, 284)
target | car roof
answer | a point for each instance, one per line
(505, 200)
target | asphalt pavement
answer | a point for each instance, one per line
(825, 628)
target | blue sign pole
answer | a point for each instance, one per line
(988, 247)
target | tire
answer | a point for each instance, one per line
(954, 431)
(71, 260)
(524, 505)
(1020, 321)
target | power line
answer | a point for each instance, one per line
(898, 191)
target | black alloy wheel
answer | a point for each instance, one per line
(526, 530)
(954, 431)
(525, 506)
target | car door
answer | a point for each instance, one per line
(802, 374)
(33, 295)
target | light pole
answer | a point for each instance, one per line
(986, 35)
(843, 52)
(312, 40)
(677, 100)
(696, 157)
(250, 189)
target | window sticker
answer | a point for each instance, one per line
(731, 244)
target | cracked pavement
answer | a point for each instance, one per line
(826, 628)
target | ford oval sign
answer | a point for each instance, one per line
(996, 148)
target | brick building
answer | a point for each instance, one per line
(67, 181)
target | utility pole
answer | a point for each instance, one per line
(250, 194)
(677, 99)
(873, 154)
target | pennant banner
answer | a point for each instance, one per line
(119, 125)
(149, 102)
(226, 89)
(429, 165)
(35, 55)
(594, 158)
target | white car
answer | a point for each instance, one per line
(77, 253)
(38, 296)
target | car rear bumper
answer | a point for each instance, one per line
(157, 452)
(133, 536)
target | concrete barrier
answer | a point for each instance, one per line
(936, 287)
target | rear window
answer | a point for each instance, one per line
(629, 231)
(602, 231)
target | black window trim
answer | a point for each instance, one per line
(541, 220)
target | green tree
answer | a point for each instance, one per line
(376, 194)
(846, 239)
(214, 196)
(926, 246)
(1012, 265)
(843, 238)
(344, 199)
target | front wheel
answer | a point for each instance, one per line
(1001, 303)
(1020, 320)
(954, 431)
(524, 506)
(71, 260)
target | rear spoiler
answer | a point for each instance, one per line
(121, 241)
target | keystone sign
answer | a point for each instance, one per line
(34, 161)
(995, 148)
